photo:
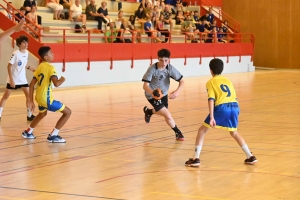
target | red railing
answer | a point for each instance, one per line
(14, 11)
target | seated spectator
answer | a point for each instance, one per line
(211, 36)
(65, 3)
(140, 14)
(211, 16)
(204, 17)
(179, 5)
(225, 27)
(179, 18)
(149, 30)
(167, 13)
(155, 12)
(32, 22)
(196, 16)
(54, 5)
(120, 22)
(161, 29)
(201, 27)
(111, 34)
(189, 29)
(8, 13)
(103, 14)
(91, 14)
(76, 14)
(207, 26)
(19, 16)
(148, 10)
(136, 33)
(221, 36)
(28, 4)
(214, 25)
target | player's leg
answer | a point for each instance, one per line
(240, 140)
(57, 106)
(3, 100)
(28, 133)
(195, 161)
(30, 116)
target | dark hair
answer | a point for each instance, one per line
(216, 65)
(22, 8)
(21, 39)
(43, 51)
(164, 53)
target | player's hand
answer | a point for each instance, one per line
(19, 26)
(62, 79)
(32, 69)
(173, 94)
(32, 106)
(12, 84)
(212, 123)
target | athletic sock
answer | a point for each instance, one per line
(1, 109)
(247, 151)
(29, 113)
(198, 149)
(54, 132)
(176, 129)
(29, 130)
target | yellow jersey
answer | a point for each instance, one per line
(43, 75)
(221, 90)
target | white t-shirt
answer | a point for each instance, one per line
(18, 69)
(76, 10)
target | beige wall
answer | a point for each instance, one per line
(276, 27)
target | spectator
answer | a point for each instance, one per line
(135, 33)
(33, 23)
(91, 14)
(103, 14)
(140, 14)
(189, 29)
(221, 36)
(179, 18)
(10, 11)
(160, 28)
(148, 10)
(204, 17)
(28, 4)
(54, 5)
(111, 34)
(65, 3)
(148, 27)
(155, 12)
(19, 16)
(211, 36)
(76, 14)
(211, 16)
(225, 27)
(167, 13)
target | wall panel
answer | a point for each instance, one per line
(275, 25)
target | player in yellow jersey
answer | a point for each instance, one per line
(223, 113)
(44, 76)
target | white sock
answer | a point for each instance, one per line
(1, 109)
(29, 113)
(197, 151)
(247, 151)
(54, 132)
(29, 130)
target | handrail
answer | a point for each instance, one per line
(235, 25)
(13, 15)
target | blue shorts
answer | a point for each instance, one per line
(56, 106)
(226, 116)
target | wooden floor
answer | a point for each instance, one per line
(111, 153)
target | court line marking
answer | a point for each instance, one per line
(190, 196)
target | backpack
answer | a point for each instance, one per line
(77, 28)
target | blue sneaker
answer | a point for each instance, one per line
(55, 139)
(28, 135)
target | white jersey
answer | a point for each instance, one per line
(18, 69)
(76, 10)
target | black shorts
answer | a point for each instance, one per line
(159, 104)
(16, 86)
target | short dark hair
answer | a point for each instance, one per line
(43, 51)
(22, 8)
(20, 39)
(216, 65)
(164, 53)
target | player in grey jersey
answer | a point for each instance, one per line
(158, 76)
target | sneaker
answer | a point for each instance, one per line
(193, 162)
(147, 116)
(30, 118)
(179, 136)
(251, 161)
(28, 135)
(55, 139)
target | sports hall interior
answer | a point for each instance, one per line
(111, 153)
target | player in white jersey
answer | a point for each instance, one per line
(16, 78)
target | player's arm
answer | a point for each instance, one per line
(57, 82)
(31, 92)
(147, 88)
(175, 93)
(211, 106)
(12, 82)
(10, 31)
